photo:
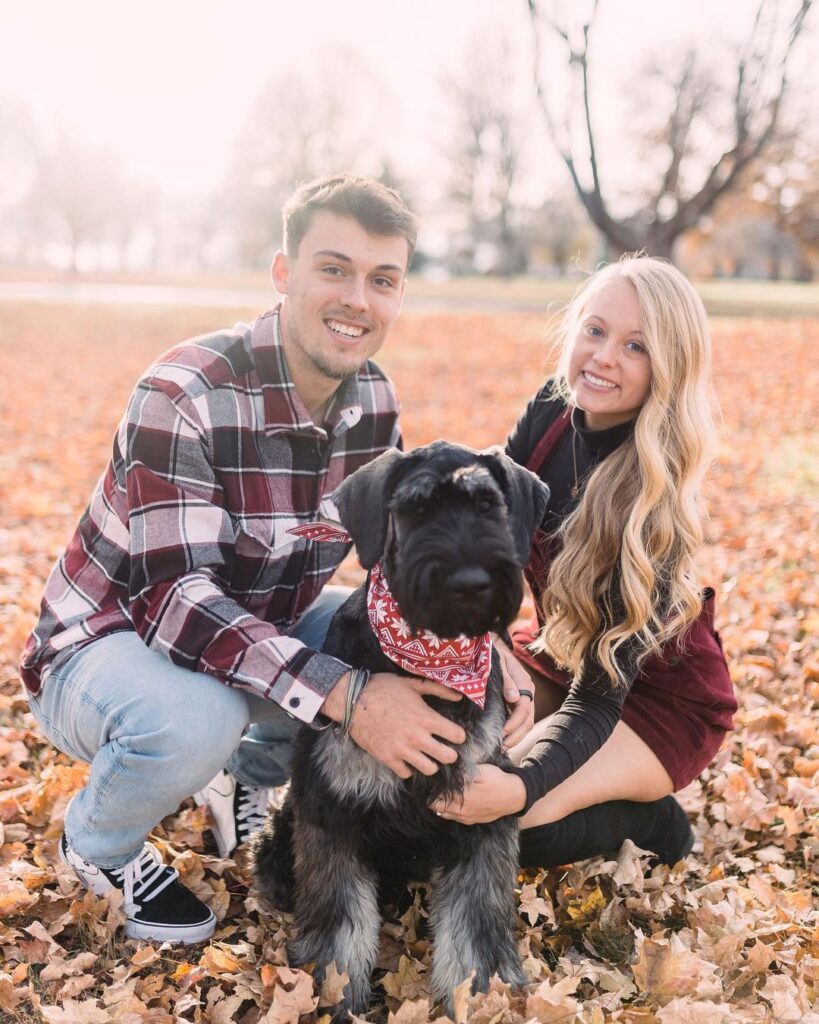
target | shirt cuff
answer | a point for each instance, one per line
(303, 687)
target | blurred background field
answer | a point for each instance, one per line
(543, 296)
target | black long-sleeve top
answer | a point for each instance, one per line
(594, 704)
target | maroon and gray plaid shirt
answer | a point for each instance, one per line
(185, 538)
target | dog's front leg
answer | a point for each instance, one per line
(473, 910)
(272, 852)
(337, 909)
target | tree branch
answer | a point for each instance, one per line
(592, 200)
(746, 148)
(583, 59)
(689, 101)
(564, 151)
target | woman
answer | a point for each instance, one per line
(622, 435)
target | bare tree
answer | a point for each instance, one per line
(309, 120)
(803, 222)
(787, 187)
(78, 197)
(675, 203)
(484, 151)
(559, 233)
(18, 152)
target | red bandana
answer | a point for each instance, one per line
(462, 663)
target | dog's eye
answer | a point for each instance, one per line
(484, 505)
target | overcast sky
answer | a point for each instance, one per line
(169, 83)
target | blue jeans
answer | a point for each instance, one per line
(155, 733)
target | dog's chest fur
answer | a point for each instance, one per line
(361, 783)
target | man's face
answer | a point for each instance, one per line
(343, 291)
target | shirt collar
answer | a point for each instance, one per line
(600, 443)
(284, 410)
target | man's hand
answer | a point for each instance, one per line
(395, 725)
(519, 694)
(492, 794)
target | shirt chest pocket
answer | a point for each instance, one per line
(263, 553)
(265, 536)
(272, 534)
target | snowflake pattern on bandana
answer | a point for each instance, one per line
(462, 663)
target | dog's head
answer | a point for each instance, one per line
(453, 528)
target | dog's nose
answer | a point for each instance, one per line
(469, 580)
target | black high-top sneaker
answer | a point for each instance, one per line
(156, 905)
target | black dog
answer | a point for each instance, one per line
(452, 528)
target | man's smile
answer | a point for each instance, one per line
(346, 330)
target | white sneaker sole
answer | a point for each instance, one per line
(183, 933)
(189, 933)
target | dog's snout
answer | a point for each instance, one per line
(471, 579)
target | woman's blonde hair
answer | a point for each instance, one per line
(626, 564)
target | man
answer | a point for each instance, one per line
(183, 608)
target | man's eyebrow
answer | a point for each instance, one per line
(342, 258)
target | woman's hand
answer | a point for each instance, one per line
(493, 793)
(519, 694)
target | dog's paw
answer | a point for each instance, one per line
(513, 975)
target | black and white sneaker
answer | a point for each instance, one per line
(236, 810)
(156, 905)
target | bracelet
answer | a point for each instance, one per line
(359, 677)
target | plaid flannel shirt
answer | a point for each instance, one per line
(185, 538)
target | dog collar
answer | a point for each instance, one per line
(461, 663)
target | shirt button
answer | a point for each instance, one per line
(294, 702)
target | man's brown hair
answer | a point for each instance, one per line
(378, 209)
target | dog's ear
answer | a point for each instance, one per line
(527, 497)
(362, 501)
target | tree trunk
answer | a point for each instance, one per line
(661, 245)
(74, 245)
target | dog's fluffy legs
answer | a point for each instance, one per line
(472, 913)
(273, 858)
(337, 910)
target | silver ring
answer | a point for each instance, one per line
(436, 807)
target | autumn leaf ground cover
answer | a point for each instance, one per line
(730, 935)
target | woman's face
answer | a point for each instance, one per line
(609, 368)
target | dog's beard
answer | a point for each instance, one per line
(419, 586)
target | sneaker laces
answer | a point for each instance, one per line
(251, 809)
(144, 877)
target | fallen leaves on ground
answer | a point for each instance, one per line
(732, 935)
